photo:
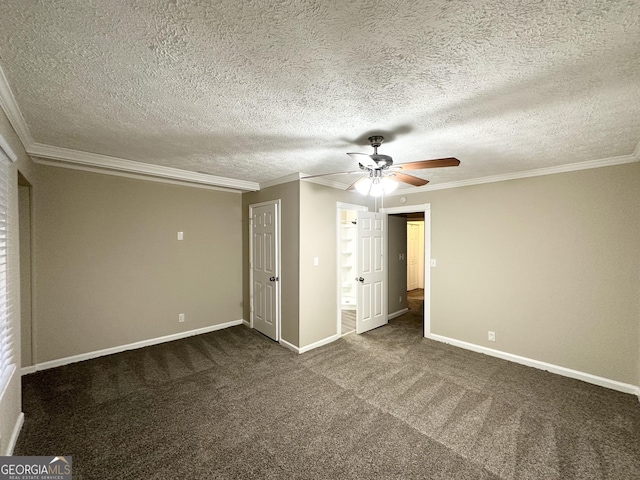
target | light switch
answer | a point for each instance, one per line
(316, 262)
(180, 235)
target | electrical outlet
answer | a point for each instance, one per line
(400, 299)
(181, 317)
(492, 336)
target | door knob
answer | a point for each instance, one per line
(360, 279)
(273, 279)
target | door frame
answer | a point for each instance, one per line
(278, 264)
(342, 206)
(426, 208)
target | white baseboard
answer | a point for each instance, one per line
(290, 346)
(319, 343)
(393, 315)
(566, 372)
(14, 435)
(130, 346)
(28, 370)
(247, 323)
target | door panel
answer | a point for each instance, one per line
(264, 262)
(371, 312)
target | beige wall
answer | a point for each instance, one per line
(397, 286)
(10, 401)
(110, 271)
(309, 229)
(289, 194)
(551, 264)
(318, 238)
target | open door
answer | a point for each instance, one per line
(372, 305)
(264, 267)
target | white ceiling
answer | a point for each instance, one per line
(257, 90)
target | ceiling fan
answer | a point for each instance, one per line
(381, 175)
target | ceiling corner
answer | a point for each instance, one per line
(12, 111)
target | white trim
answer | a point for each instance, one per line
(28, 370)
(319, 343)
(303, 176)
(11, 109)
(131, 346)
(290, 346)
(426, 208)
(114, 163)
(246, 322)
(326, 182)
(538, 172)
(565, 372)
(14, 435)
(137, 176)
(397, 314)
(279, 181)
(6, 149)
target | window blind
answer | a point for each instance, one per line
(7, 364)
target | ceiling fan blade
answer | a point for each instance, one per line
(436, 163)
(364, 159)
(353, 185)
(410, 179)
(329, 174)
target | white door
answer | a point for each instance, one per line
(372, 305)
(264, 268)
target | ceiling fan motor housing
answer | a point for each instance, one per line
(383, 161)
(376, 140)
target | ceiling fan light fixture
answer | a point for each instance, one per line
(388, 184)
(364, 186)
(376, 186)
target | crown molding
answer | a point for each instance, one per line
(326, 182)
(11, 109)
(538, 172)
(97, 161)
(303, 176)
(137, 176)
(280, 180)
(6, 150)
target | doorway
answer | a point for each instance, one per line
(347, 215)
(419, 212)
(24, 226)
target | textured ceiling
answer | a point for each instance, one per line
(255, 90)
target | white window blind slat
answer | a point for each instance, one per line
(7, 365)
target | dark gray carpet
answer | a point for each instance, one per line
(387, 404)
